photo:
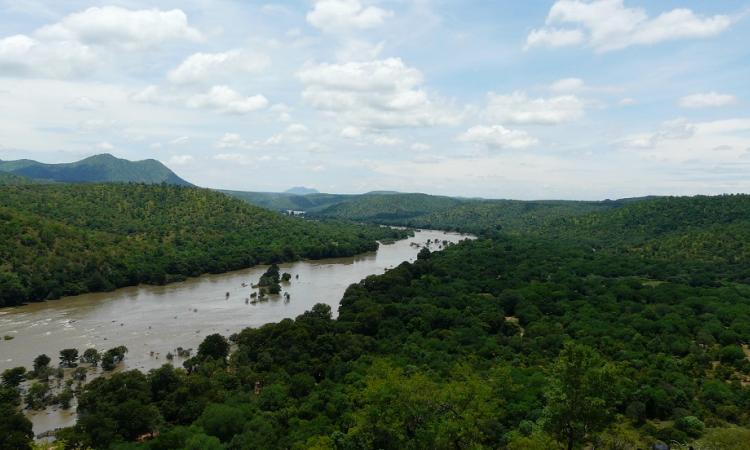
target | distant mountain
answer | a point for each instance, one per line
(301, 190)
(95, 169)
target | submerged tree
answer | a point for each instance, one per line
(68, 357)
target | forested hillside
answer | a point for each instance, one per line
(95, 169)
(280, 201)
(504, 215)
(60, 239)
(13, 179)
(511, 341)
(395, 208)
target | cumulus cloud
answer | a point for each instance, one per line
(373, 94)
(345, 15)
(707, 100)
(553, 37)
(77, 44)
(121, 27)
(226, 100)
(202, 67)
(608, 25)
(518, 108)
(22, 55)
(498, 137)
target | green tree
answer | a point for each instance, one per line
(13, 377)
(581, 395)
(41, 363)
(15, 429)
(69, 357)
(214, 346)
(91, 356)
(221, 421)
(37, 396)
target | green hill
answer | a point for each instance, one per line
(480, 216)
(102, 168)
(282, 201)
(391, 208)
(64, 239)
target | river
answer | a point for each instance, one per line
(159, 319)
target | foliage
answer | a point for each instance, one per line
(58, 240)
(510, 341)
(581, 395)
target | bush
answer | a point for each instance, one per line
(690, 425)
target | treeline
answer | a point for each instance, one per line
(60, 239)
(510, 342)
(453, 214)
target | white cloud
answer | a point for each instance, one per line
(707, 100)
(420, 147)
(608, 25)
(180, 160)
(552, 37)
(345, 15)
(518, 108)
(79, 43)
(498, 137)
(224, 99)
(669, 130)
(21, 55)
(374, 94)
(627, 101)
(202, 67)
(120, 27)
(292, 134)
(181, 140)
(567, 85)
(232, 140)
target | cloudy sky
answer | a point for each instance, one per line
(504, 99)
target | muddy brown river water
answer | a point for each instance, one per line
(159, 319)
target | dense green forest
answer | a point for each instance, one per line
(95, 169)
(519, 341)
(63, 239)
(388, 208)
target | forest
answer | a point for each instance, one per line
(532, 341)
(66, 239)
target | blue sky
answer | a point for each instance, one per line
(580, 99)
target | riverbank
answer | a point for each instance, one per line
(159, 319)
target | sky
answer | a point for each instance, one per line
(566, 99)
